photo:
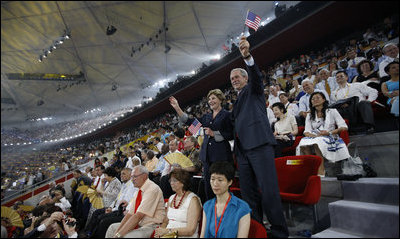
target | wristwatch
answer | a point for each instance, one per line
(247, 57)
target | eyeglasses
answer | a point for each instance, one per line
(136, 176)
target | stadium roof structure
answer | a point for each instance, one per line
(122, 49)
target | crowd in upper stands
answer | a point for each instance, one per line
(295, 90)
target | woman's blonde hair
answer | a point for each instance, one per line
(218, 93)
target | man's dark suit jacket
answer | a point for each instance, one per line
(250, 114)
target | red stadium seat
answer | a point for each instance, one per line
(298, 180)
(257, 230)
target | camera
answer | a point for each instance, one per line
(70, 223)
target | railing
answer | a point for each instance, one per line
(34, 189)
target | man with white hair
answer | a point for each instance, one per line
(147, 210)
(328, 83)
(391, 52)
(273, 95)
(304, 107)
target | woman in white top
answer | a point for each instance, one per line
(321, 133)
(184, 208)
(285, 128)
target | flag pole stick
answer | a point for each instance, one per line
(244, 28)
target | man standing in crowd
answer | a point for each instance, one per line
(254, 143)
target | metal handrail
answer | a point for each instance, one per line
(36, 185)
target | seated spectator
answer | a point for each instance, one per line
(180, 136)
(285, 128)
(81, 179)
(390, 88)
(367, 75)
(290, 108)
(326, 83)
(155, 175)
(191, 151)
(224, 216)
(310, 76)
(133, 160)
(304, 108)
(108, 190)
(104, 161)
(158, 143)
(321, 135)
(99, 173)
(332, 68)
(184, 208)
(273, 95)
(146, 213)
(376, 57)
(88, 172)
(151, 160)
(53, 226)
(104, 217)
(118, 161)
(349, 107)
(391, 52)
(352, 60)
(60, 200)
(294, 92)
(97, 162)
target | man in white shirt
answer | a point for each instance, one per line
(273, 96)
(99, 176)
(351, 109)
(391, 52)
(164, 181)
(291, 109)
(304, 102)
(104, 217)
(327, 83)
(157, 143)
(352, 62)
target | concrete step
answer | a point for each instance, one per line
(331, 187)
(337, 233)
(372, 190)
(374, 220)
(382, 151)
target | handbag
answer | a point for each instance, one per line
(354, 164)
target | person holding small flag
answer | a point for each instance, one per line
(254, 145)
(217, 131)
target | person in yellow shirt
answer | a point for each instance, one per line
(152, 161)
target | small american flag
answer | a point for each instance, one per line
(252, 20)
(195, 126)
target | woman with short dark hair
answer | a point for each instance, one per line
(367, 75)
(218, 130)
(184, 208)
(285, 128)
(109, 189)
(224, 216)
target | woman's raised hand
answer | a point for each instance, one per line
(174, 102)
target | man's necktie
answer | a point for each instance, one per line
(137, 203)
(327, 87)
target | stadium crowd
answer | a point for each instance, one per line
(134, 185)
